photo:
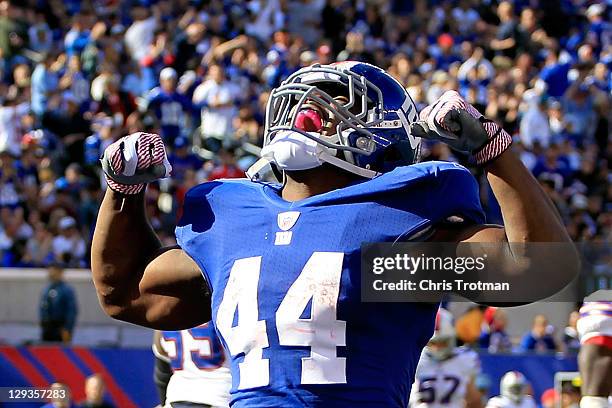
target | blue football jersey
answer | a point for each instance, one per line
(170, 109)
(285, 280)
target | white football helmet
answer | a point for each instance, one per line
(444, 340)
(513, 385)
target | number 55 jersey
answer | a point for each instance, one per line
(200, 373)
(286, 283)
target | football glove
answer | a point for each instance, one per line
(133, 161)
(455, 122)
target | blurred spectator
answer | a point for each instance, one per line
(227, 167)
(570, 395)
(10, 182)
(534, 124)
(170, 109)
(94, 393)
(78, 36)
(69, 247)
(58, 308)
(571, 339)
(13, 30)
(65, 397)
(304, 19)
(510, 38)
(39, 247)
(445, 54)
(115, 102)
(74, 81)
(465, 16)
(188, 45)
(494, 337)
(539, 338)
(40, 35)
(468, 325)
(11, 116)
(71, 127)
(554, 73)
(45, 83)
(183, 160)
(269, 18)
(140, 34)
(217, 100)
(549, 398)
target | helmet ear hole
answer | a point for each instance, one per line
(399, 154)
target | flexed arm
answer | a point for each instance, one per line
(136, 279)
(529, 215)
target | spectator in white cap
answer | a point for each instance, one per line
(170, 109)
(598, 27)
(68, 246)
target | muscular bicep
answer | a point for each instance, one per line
(172, 272)
(172, 293)
(483, 233)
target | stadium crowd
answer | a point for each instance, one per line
(76, 75)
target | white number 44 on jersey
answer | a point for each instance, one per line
(319, 281)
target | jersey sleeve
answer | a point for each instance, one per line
(438, 191)
(193, 229)
(456, 195)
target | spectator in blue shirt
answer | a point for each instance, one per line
(58, 308)
(554, 74)
(44, 83)
(78, 36)
(539, 338)
(182, 159)
(168, 106)
(446, 55)
(493, 337)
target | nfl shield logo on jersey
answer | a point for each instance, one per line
(286, 220)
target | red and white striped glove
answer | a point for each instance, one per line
(455, 122)
(135, 160)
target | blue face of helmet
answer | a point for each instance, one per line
(372, 120)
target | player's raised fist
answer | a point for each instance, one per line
(455, 122)
(133, 161)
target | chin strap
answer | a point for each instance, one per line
(351, 168)
(259, 169)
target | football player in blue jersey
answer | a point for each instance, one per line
(277, 267)
(170, 108)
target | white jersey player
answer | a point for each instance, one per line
(595, 323)
(445, 373)
(595, 357)
(200, 371)
(513, 388)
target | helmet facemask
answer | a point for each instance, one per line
(320, 86)
(366, 133)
